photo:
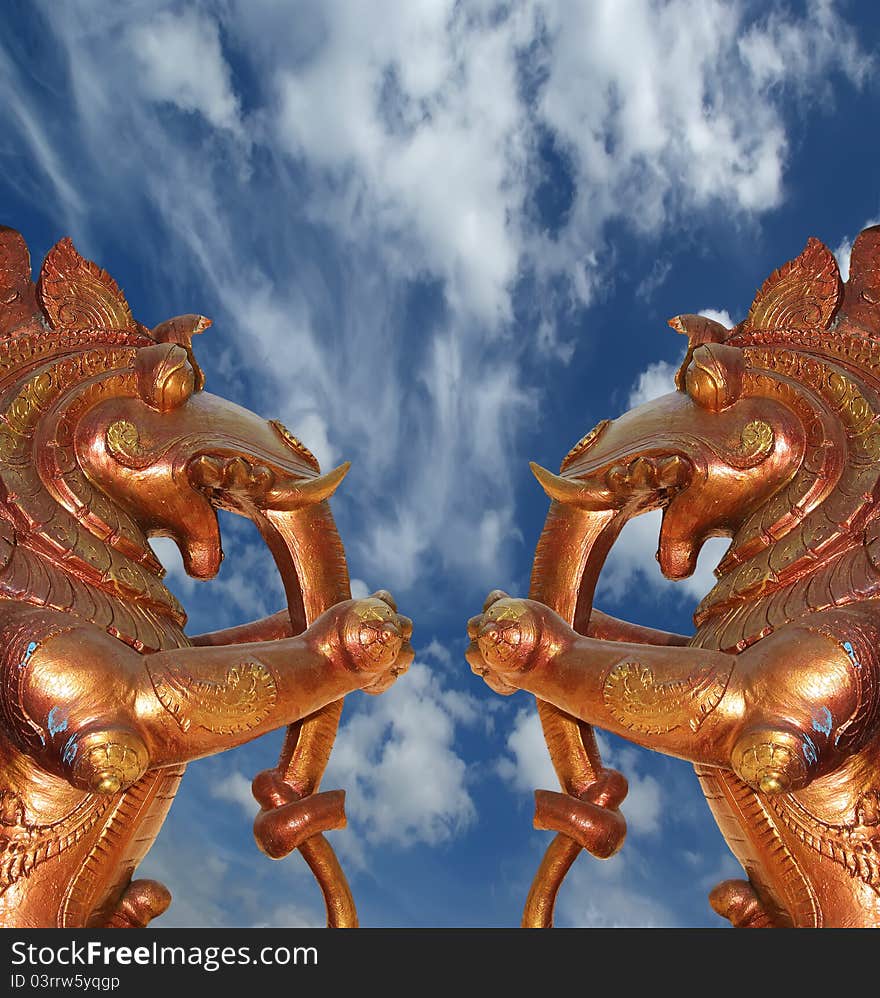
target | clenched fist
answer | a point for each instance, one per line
(511, 637)
(368, 637)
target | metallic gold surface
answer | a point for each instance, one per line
(772, 439)
(106, 439)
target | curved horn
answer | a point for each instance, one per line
(570, 491)
(306, 491)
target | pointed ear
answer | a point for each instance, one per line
(181, 330)
(165, 378)
(861, 296)
(76, 294)
(18, 298)
(802, 295)
(699, 330)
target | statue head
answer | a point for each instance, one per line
(771, 438)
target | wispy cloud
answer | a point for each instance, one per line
(396, 755)
(362, 203)
(180, 61)
(527, 768)
(322, 175)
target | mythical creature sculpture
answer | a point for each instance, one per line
(107, 438)
(772, 438)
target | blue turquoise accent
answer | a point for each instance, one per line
(31, 648)
(68, 753)
(822, 721)
(848, 648)
(56, 725)
(811, 753)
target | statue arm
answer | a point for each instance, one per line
(781, 713)
(684, 702)
(101, 714)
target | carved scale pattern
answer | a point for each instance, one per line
(853, 846)
(641, 703)
(815, 545)
(240, 702)
(136, 816)
(750, 830)
(76, 293)
(25, 848)
(803, 555)
(52, 556)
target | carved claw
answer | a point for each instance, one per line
(375, 640)
(508, 639)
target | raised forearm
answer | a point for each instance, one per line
(684, 702)
(100, 714)
(270, 628)
(200, 699)
(608, 628)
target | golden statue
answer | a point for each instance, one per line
(107, 438)
(772, 438)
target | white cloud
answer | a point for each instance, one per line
(422, 124)
(236, 788)
(841, 253)
(682, 109)
(719, 315)
(25, 121)
(405, 783)
(527, 768)
(781, 49)
(655, 279)
(215, 886)
(359, 589)
(657, 379)
(607, 894)
(439, 652)
(180, 61)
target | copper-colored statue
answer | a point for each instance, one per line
(107, 438)
(772, 439)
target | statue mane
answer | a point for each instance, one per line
(813, 343)
(66, 342)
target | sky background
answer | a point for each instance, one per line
(439, 240)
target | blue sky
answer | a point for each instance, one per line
(439, 240)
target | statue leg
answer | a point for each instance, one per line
(141, 902)
(737, 901)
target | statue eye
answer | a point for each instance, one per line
(714, 376)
